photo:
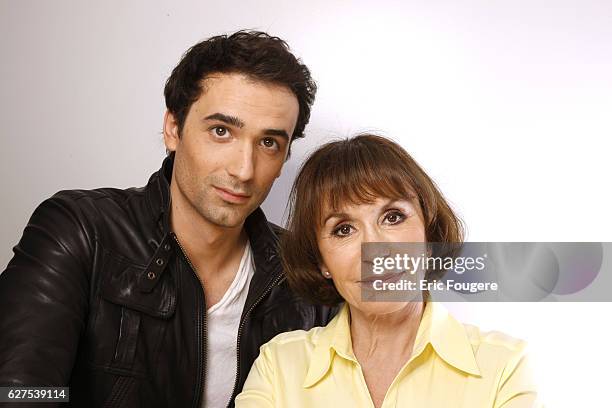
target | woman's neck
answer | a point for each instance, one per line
(393, 333)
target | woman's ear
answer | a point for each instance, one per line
(325, 271)
(429, 250)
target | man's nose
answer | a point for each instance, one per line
(241, 164)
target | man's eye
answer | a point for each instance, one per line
(269, 143)
(220, 131)
(343, 230)
(394, 217)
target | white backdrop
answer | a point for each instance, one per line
(506, 104)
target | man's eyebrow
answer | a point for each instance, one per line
(229, 119)
(276, 132)
(234, 121)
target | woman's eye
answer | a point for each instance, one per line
(394, 217)
(270, 143)
(343, 230)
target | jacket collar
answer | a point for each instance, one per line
(158, 195)
(438, 328)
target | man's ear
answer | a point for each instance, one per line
(171, 132)
(279, 172)
(287, 155)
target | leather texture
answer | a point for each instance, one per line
(99, 297)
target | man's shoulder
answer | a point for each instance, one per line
(278, 230)
(96, 213)
(99, 202)
(82, 196)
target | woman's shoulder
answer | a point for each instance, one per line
(305, 341)
(497, 351)
(290, 354)
(493, 339)
(482, 341)
(294, 341)
(508, 362)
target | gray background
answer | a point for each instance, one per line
(506, 104)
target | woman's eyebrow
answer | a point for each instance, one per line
(391, 202)
(335, 215)
(411, 197)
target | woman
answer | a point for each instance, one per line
(376, 353)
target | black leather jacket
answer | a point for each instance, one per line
(101, 298)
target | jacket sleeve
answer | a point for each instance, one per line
(517, 387)
(259, 389)
(44, 296)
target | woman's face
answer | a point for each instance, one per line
(342, 233)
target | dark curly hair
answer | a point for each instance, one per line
(253, 53)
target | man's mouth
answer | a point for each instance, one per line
(232, 196)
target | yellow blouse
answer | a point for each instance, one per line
(452, 365)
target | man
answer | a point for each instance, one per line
(161, 296)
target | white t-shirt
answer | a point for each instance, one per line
(223, 320)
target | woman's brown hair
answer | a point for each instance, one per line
(354, 171)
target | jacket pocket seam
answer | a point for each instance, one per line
(120, 257)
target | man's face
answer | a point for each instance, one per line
(232, 146)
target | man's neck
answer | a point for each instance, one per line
(210, 248)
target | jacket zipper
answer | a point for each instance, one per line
(274, 283)
(201, 322)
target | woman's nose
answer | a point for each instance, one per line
(372, 234)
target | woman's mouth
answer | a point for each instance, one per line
(385, 277)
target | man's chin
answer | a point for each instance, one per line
(226, 217)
